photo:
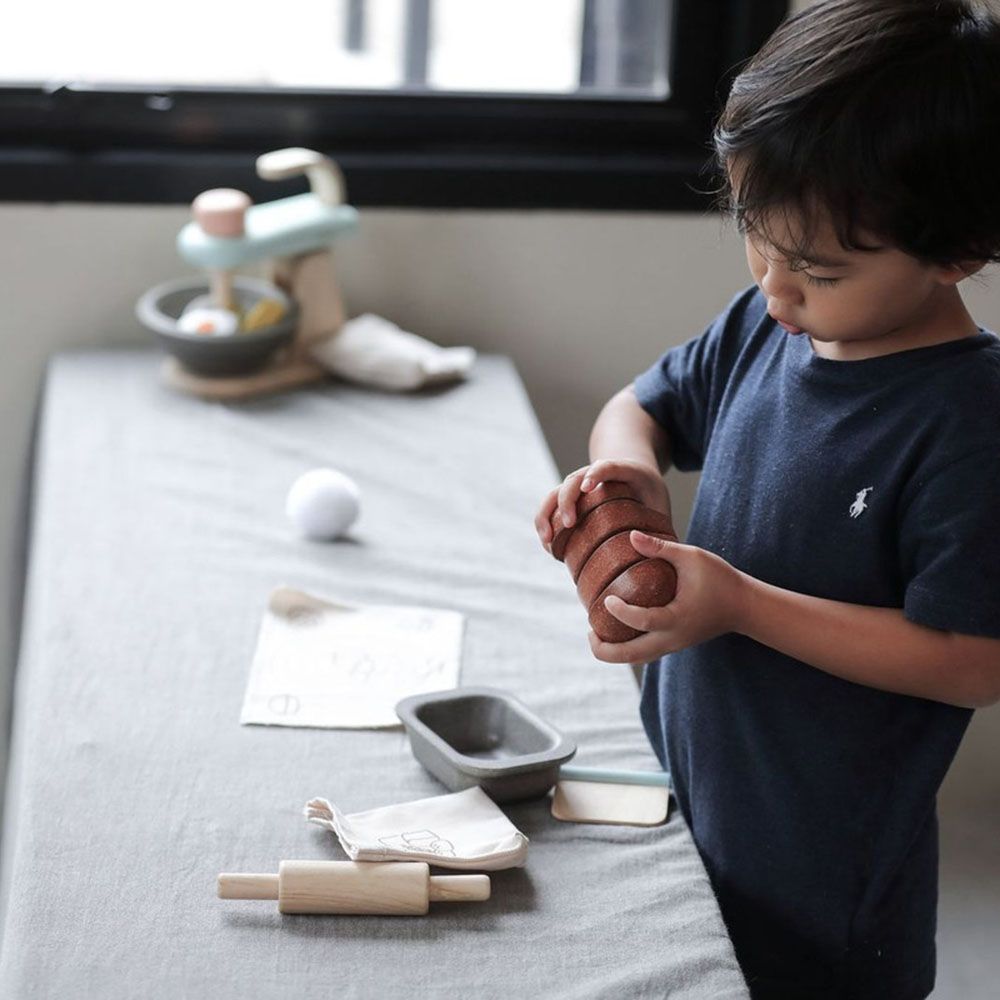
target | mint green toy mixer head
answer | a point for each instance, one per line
(288, 227)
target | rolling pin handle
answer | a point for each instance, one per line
(458, 888)
(238, 886)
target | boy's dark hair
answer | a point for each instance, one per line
(885, 113)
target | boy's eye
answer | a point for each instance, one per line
(813, 280)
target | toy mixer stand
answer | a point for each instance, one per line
(297, 232)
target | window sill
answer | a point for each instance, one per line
(602, 182)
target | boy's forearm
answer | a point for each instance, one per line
(877, 647)
(623, 430)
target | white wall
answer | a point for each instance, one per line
(582, 302)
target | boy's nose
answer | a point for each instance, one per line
(781, 286)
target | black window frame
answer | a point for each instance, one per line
(413, 150)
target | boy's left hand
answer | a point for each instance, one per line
(708, 603)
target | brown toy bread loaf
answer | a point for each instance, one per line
(608, 520)
(586, 502)
(651, 583)
(610, 559)
(602, 561)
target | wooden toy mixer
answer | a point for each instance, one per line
(403, 888)
(602, 561)
(297, 232)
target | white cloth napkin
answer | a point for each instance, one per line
(374, 351)
(461, 830)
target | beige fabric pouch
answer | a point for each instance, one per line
(461, 830)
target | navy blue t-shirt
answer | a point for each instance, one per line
(811, 798)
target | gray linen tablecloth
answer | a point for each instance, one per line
(158, 535)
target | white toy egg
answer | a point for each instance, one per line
(208, 322)
(323, 503)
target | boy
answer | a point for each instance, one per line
(837, 617)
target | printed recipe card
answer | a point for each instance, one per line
(341, 666)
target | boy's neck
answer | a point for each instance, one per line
(945, 319)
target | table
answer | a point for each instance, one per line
(158, 534)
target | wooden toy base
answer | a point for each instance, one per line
(276, 377)
(613, 803)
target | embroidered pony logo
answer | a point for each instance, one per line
(859, 506)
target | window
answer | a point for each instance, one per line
(474, 103)
(607, 48)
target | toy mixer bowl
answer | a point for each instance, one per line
(236, 354)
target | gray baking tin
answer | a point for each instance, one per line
(484, 736)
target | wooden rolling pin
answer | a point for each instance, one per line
(405, 888)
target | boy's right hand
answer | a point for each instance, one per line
(559, 506)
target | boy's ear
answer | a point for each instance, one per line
(954, 273)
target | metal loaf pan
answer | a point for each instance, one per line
(483, 736)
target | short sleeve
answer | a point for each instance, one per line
(682, 391)
(950, 546)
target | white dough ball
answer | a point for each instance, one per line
(323, 503)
